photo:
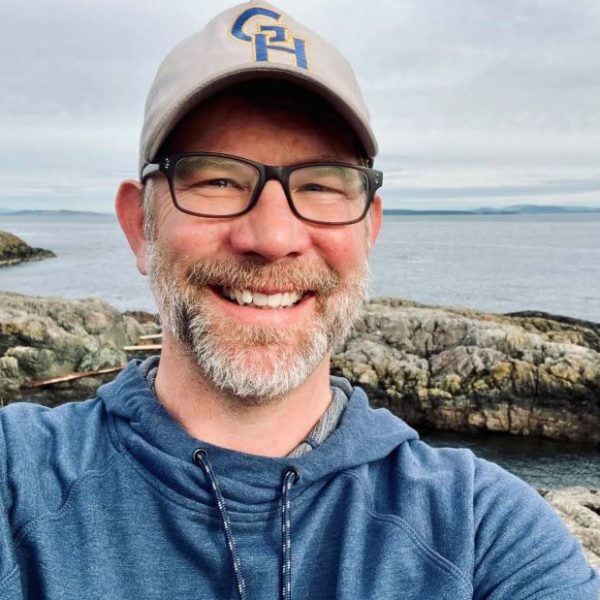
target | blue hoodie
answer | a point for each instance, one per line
(110, 499)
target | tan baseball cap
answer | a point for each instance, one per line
(249, 41)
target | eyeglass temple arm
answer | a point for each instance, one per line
(148, 170)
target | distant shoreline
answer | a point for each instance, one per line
(514, 210)
(521, 209)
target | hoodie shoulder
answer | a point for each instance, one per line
(492, 526)
(489, 523)
(44, 451)
(523, 547)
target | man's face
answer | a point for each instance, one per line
(200, 269)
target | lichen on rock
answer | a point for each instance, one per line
(463, 370)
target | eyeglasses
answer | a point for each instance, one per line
(220, 185)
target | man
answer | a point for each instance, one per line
(234, 466)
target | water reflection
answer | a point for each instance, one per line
(540, 462)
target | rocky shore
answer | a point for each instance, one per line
(463, 370)
(14, 250)
(43, 338)
(436, 367)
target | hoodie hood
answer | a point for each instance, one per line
(248, 482)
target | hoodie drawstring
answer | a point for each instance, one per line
(290, 477)
(201, 459)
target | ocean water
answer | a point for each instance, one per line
(92, 260)
(542, 463)
(492, 263)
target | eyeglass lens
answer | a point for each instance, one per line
(220, 187)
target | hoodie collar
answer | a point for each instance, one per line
(165, 450)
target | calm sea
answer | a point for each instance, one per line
(498, 264)
(493, 263)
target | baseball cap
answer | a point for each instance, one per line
(250, 41)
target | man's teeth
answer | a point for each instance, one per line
(280, 300)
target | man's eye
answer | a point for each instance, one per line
(313, 187)
(318, 188)
(220, 183)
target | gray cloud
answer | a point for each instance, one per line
(497, 99)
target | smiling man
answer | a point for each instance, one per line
(258, 271)
(235, 466)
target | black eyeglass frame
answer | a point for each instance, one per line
(167, 166)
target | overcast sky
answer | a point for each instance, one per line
(474, 102)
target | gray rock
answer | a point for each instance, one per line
(41, 338)
(14, 250)
(579, 508)
(462, 370)
(445, 368)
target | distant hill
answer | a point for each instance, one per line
(407, 212)
(515, 209)
(535, 209)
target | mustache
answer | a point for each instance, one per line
(246, 273)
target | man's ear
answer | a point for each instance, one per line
(129, 205)
(376, 211)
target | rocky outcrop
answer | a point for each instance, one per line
(14, 250)
(463, 370)
(579, 508)
(42, 338)
(445, 368)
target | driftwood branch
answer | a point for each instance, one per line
(81, 374)
(69, 377)
(143, 348)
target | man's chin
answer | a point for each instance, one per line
(258, 364)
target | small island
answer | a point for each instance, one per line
(13, 250)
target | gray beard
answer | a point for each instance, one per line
(253, 363)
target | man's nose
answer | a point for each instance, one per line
(270, 229)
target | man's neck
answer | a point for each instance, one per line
(268, 429)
